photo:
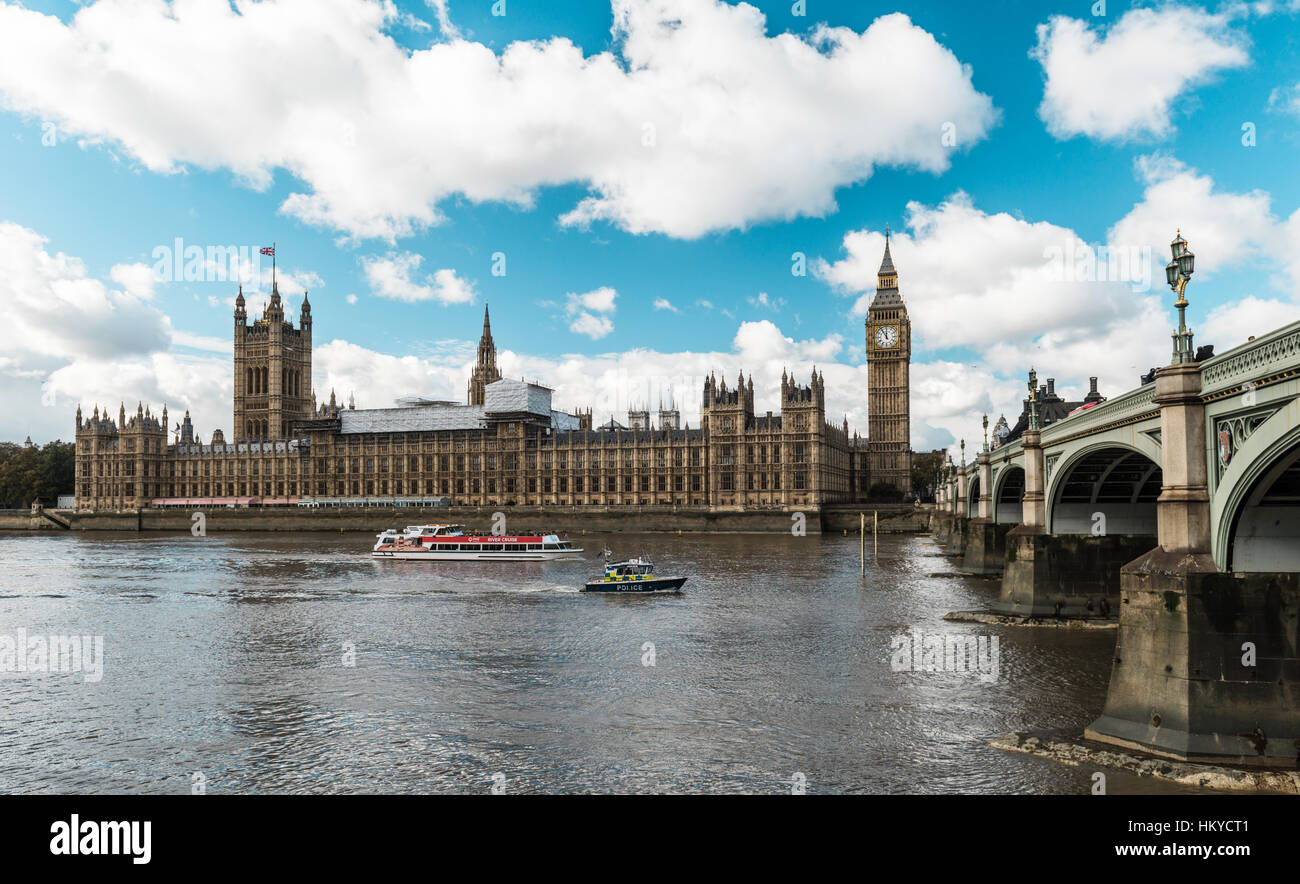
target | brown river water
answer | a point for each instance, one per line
(267, 663)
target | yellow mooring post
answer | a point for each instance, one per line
(875, 528)
(862, 542)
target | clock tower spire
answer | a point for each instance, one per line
(889, 357)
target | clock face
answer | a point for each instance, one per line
(886, 337)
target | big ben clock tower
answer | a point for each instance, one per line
(889, 355)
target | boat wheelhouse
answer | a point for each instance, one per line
(633, 575)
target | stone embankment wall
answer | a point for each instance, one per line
(519, 520)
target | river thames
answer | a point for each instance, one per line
(266, 663)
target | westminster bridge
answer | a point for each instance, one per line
(1175, 509)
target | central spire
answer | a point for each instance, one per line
(485, 367)
(887, 263)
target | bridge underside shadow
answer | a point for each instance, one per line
(1101, 516)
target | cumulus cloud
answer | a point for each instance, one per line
(1122, 84)
(697, 121)
(50, 308)
(590, 312)
(1225, 228)
(608, 382)
(665, 304)
(1236, 322)
(395, 276)
(68, 338)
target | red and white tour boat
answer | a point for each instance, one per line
(450, 543)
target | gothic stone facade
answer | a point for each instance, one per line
(510, 448)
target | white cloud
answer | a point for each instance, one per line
(1234, 323)
(665, 304)
(1123, 84)
(584, 309)
(68, 338)
(351, 299)
(607, 382)
(440, 11)
(766, 303)
(51, 309)
(393, 277)
(594, 327)
(600, 300)
(697, 122)
(202, 342)
(136, 279)
(1223, 228)
(1285, 98)
(970, 278)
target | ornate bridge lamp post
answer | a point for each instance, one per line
(984, 510)
(963, 505)
(1178, 272)
(1034, 514)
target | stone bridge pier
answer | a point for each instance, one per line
(985, 538)
(1206, 662)
(956, 543)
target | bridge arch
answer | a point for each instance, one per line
(1009, 489)
(1255, 512)
(1113, 479)
(973, 495)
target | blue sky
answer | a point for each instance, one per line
(1069, 127)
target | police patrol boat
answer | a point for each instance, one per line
(633, 575)
(450, 543)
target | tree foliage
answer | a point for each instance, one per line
(885, 492)
(927, 473)
(28, 473)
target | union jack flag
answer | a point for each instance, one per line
(268, 250)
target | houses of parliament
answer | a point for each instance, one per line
(505, 445)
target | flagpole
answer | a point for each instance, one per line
(272, 264)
